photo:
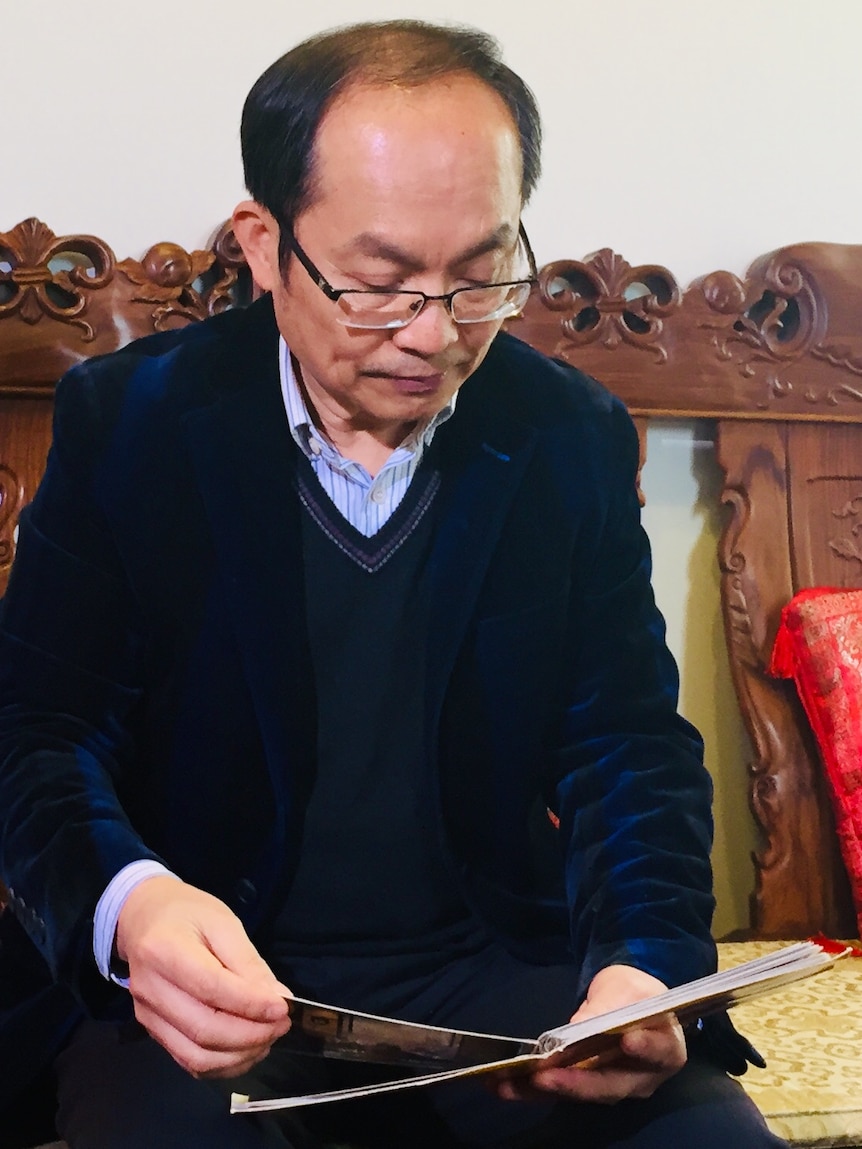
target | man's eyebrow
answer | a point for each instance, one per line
(501, 237)
(367, 243)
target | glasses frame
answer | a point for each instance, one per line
(335, 293)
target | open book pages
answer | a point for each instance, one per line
(444, 1054)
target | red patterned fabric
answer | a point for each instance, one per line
(819, 646)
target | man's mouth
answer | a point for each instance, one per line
(412, 383)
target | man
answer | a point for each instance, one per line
(318, 611)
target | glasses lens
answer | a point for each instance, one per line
(481, 304)
(377, 310)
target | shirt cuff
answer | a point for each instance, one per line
(108, 912)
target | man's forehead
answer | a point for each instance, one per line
(454, 128)
(466, 104)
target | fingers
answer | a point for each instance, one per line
(206, 1054)
(199, 986)
(208, 970)
(644, 1060)
(202, 1021)
(641, 1061)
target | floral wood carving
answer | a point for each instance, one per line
(167, 276)
(731, 561)
(10, 505)
(30, 288)
(828, 395)
(755, 557)
(101, 304)
(847, 547)
(610, 302)
(775, 316)
(839, 355)
(842, 358)
(188, 286)
(761, 702)
(233, 287)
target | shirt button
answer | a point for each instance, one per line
(314, 446)
(377, 495)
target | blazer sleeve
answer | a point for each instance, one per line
(631, 791)
(71, 648)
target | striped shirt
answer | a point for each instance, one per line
(364, 501)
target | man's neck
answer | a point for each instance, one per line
(368, 446)
(364, 447)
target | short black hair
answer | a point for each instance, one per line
(283, 110)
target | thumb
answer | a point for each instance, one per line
(231, 946)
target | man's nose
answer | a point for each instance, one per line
(432, 331)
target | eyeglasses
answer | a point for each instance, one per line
(378, 309)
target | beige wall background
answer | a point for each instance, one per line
(692, 134)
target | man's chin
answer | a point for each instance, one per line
(410, 400)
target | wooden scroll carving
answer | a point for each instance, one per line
(66, 298)
(774, 357)
(782, 343)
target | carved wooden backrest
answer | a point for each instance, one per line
(774, 358)
(65, 299)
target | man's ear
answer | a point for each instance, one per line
(257, 233)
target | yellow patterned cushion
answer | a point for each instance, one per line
(811, 1037)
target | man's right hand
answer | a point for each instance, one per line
(200, 987)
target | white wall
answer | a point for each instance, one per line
(682, 482)
(693, 134)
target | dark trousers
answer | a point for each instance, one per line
(122, 1093)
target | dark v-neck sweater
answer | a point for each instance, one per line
(374, 877)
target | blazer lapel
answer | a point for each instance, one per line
(484, 457)
(244, 457)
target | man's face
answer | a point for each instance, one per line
(416, 189)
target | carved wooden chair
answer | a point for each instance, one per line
(774, 359)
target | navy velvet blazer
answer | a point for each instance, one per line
(156, 698)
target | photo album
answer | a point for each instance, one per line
(435, 1054)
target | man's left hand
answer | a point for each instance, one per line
(645, 1058)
